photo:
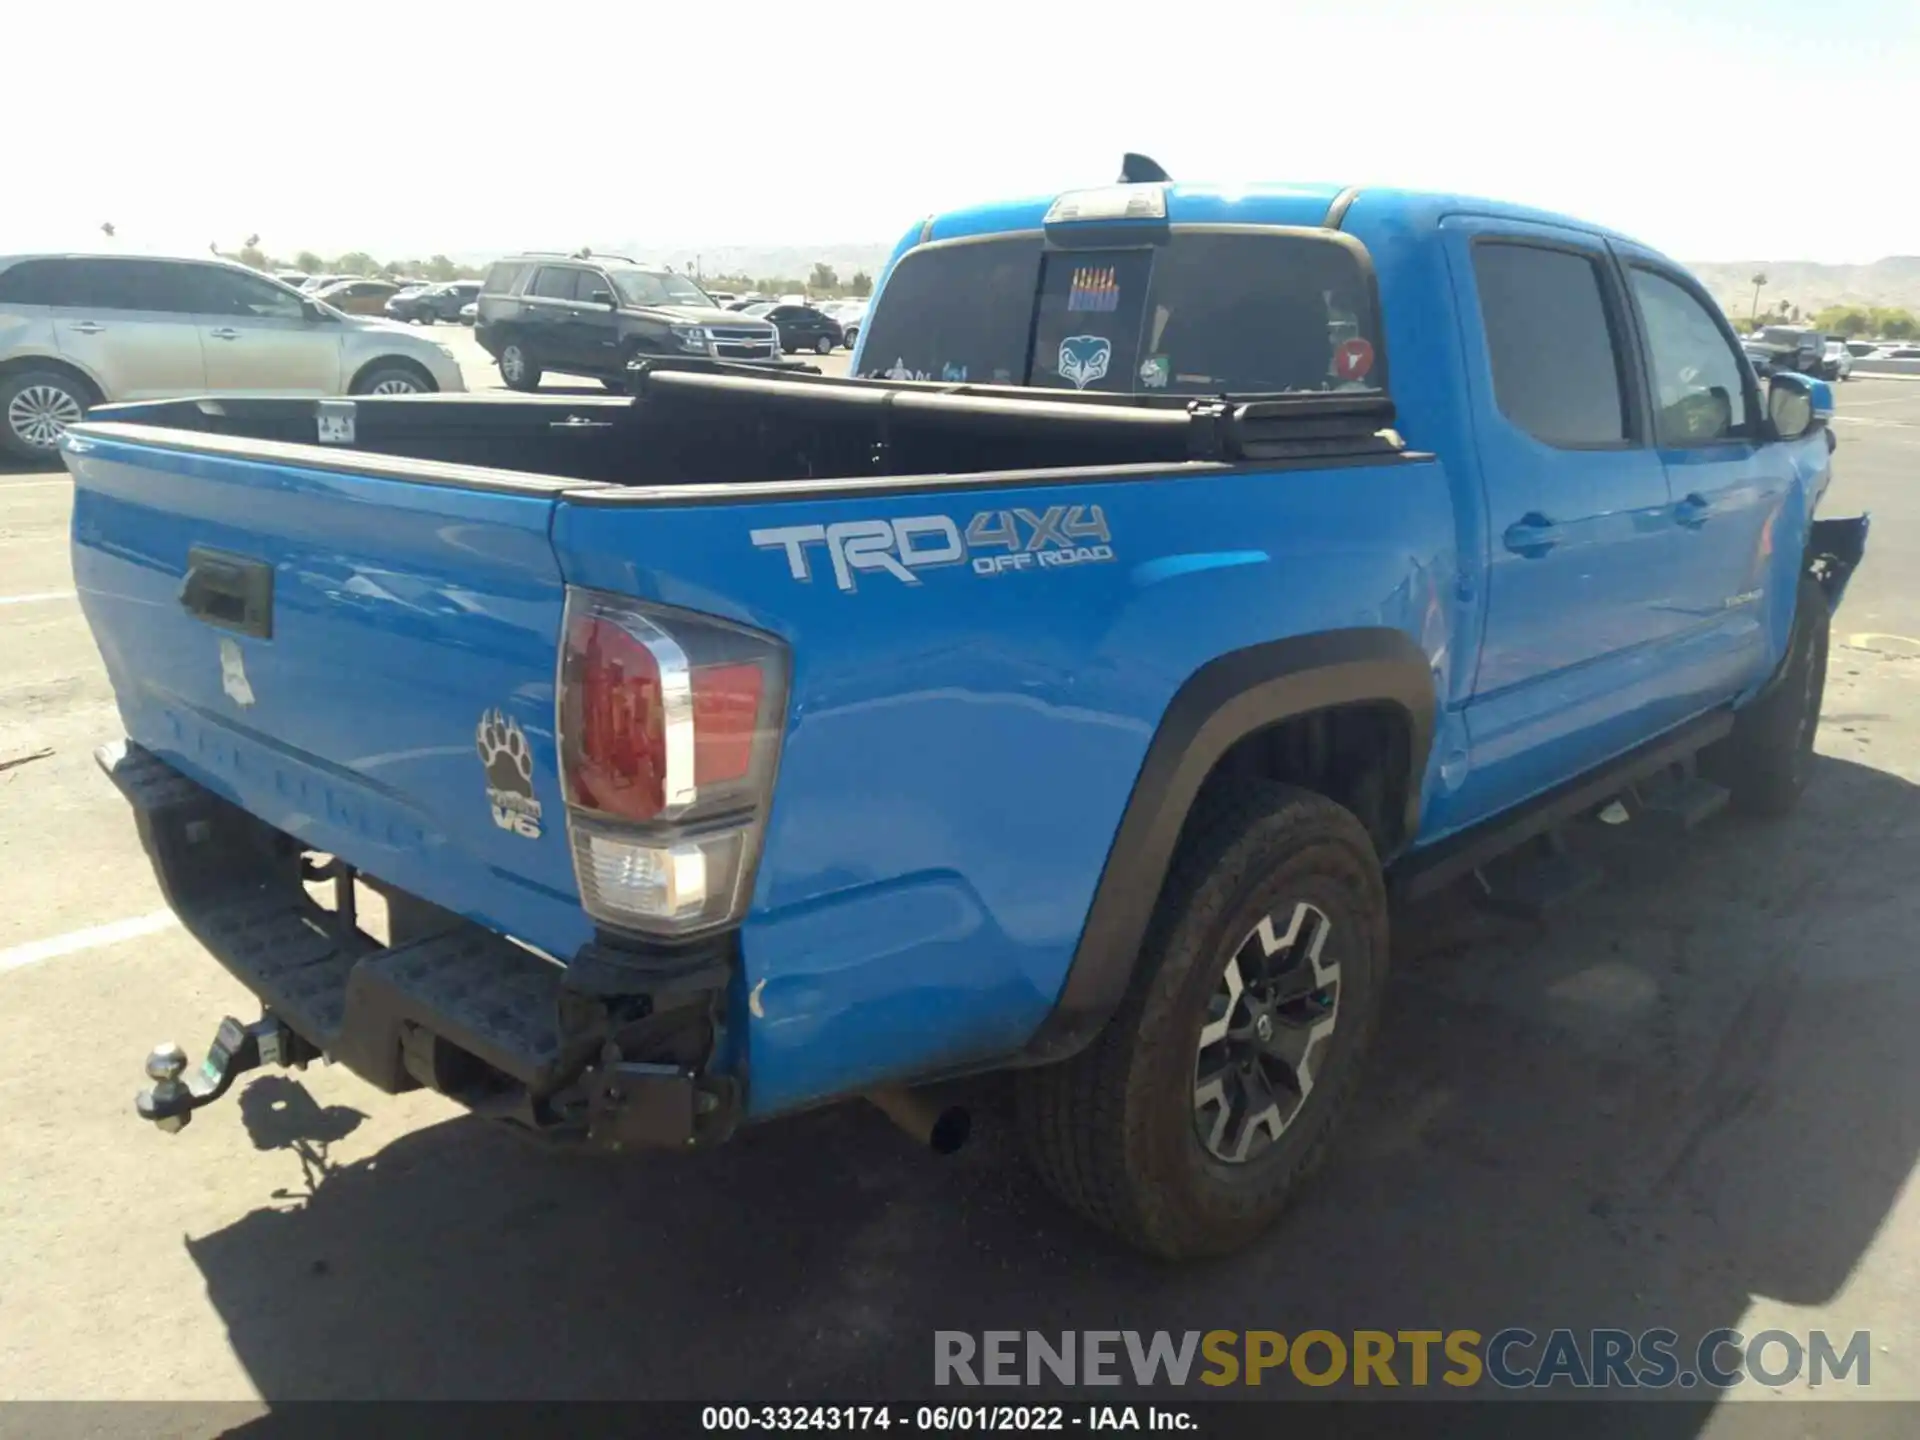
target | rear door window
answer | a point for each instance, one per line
(155, 286)
(554, 282)
(1553, 344)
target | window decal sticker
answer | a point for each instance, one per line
(1083, 359)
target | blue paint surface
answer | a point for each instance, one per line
(959, 750)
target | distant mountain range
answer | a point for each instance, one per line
(1808, 287)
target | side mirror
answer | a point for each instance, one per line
(313, 312)
(1798, 405)
(601, 297)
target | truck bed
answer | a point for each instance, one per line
(687, 428)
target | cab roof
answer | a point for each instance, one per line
(1266, 203)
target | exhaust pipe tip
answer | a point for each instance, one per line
(943, 1129)
(951, 1130)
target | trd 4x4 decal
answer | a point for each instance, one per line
(995, 542)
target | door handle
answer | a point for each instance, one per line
(86, 327)
(1693, 511)
(224, 333)
(1532, 535)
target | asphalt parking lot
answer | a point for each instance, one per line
(1692, 1103)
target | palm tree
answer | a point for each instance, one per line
(1758, 281)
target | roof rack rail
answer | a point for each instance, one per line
(581, 254)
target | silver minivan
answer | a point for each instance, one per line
(82, 330)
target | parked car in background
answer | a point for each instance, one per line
(470, 312)
(1759, 356)
(78, 331)
(428, 303)
(295, 278)
(1793, 348)
(722, 298)
(1860, 349)
(746, 302)
(359, 297)
(1837, 362)
(313, 284)
(594, 316)
(802, 327)
(850, 314)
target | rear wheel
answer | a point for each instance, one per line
(393, 379)
(1765, 762)
(1186, 1125)
(36, 407)
(518, 368)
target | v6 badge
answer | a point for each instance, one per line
(503, 750)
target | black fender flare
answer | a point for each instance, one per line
(1224, 701)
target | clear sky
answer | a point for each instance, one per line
(406, 129)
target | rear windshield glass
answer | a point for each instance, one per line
(1209, 312)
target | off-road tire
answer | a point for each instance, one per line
(1112, 1130)
(1765, 762)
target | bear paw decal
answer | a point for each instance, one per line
(504, 753)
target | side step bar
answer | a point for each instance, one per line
(1426, 871)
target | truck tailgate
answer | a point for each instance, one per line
(364, 661)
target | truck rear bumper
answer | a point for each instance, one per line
(449, 1005)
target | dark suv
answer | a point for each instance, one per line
(592, 316)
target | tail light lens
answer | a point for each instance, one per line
(669, 733)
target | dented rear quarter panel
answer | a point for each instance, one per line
(960, 747)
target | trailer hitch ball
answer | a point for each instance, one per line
(169, 1103)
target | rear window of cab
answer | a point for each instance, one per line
(1202, 312)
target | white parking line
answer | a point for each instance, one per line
(34, 951)
(66, 480)
(36, 597)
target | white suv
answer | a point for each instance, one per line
(82, 330)
(1837, 363)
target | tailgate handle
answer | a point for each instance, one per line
(230, 591)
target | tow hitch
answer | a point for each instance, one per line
(236, 1049)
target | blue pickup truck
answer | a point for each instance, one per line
(1182, 575)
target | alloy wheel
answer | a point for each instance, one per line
(40, 414)
(1268, 1023)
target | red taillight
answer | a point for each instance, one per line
(618, 727)
(669, 729)
(726, 713)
